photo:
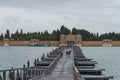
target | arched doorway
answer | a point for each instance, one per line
(70, 42)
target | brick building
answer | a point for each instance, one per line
(75, 40)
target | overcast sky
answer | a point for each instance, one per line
(39, 15)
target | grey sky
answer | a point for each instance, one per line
(39, 15)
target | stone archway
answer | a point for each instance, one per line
(70, 42)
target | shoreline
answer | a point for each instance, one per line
(57, 43)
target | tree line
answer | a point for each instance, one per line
(55, 35)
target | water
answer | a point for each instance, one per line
(18, 56)
(107, 57)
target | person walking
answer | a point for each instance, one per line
(66, 53)
(69, 53)
(61, 54)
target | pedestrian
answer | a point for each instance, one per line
(66, 53)
(61, 54)
(69, 53)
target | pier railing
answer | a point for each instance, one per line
(27, 73)
(53, 64)
(77, 75)
(22, 73)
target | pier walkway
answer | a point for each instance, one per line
(64, 68)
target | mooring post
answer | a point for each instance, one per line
(24, 75)
(18, 75)
(11, 74)
(37, 59)
(50, 53)
(43, 55)
(28, 63)
(35, 62)
(47, 54)
(0, 77)
(42, 58)
(24, 66)
(4, 75)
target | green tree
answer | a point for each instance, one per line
(85, 34)
(56, 35)
(21, 31)
(7, 34)
(74, 31)
(16, 35)
(1, 37)
(64, 30)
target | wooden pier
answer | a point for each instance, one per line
(86, 67)
(63, 63)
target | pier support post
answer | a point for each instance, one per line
(24, 66)
(18, 75)
(4, 75)
(43, 57)
(37, 59)
(0, 76)
(11, 74)
(24, 75)
(28, 63)
(35, 62)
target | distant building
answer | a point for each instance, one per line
(70, 40)
(107, 42)
(36, 42)
(33, 42)
(6, 42)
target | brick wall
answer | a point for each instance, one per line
(91, 43)
(56, 43)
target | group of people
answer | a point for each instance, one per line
(68, 53)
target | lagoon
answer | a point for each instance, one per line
(107, 57)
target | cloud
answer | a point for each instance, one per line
(33, 15)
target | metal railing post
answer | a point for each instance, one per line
(4, 75)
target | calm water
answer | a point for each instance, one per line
(17, 56)
(107, 57)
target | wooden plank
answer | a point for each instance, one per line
(94, 77)
(82, 59)
(86, 67)
(91, 71)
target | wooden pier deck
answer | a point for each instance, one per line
(63, 69)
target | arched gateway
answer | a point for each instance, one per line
(70, 40)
